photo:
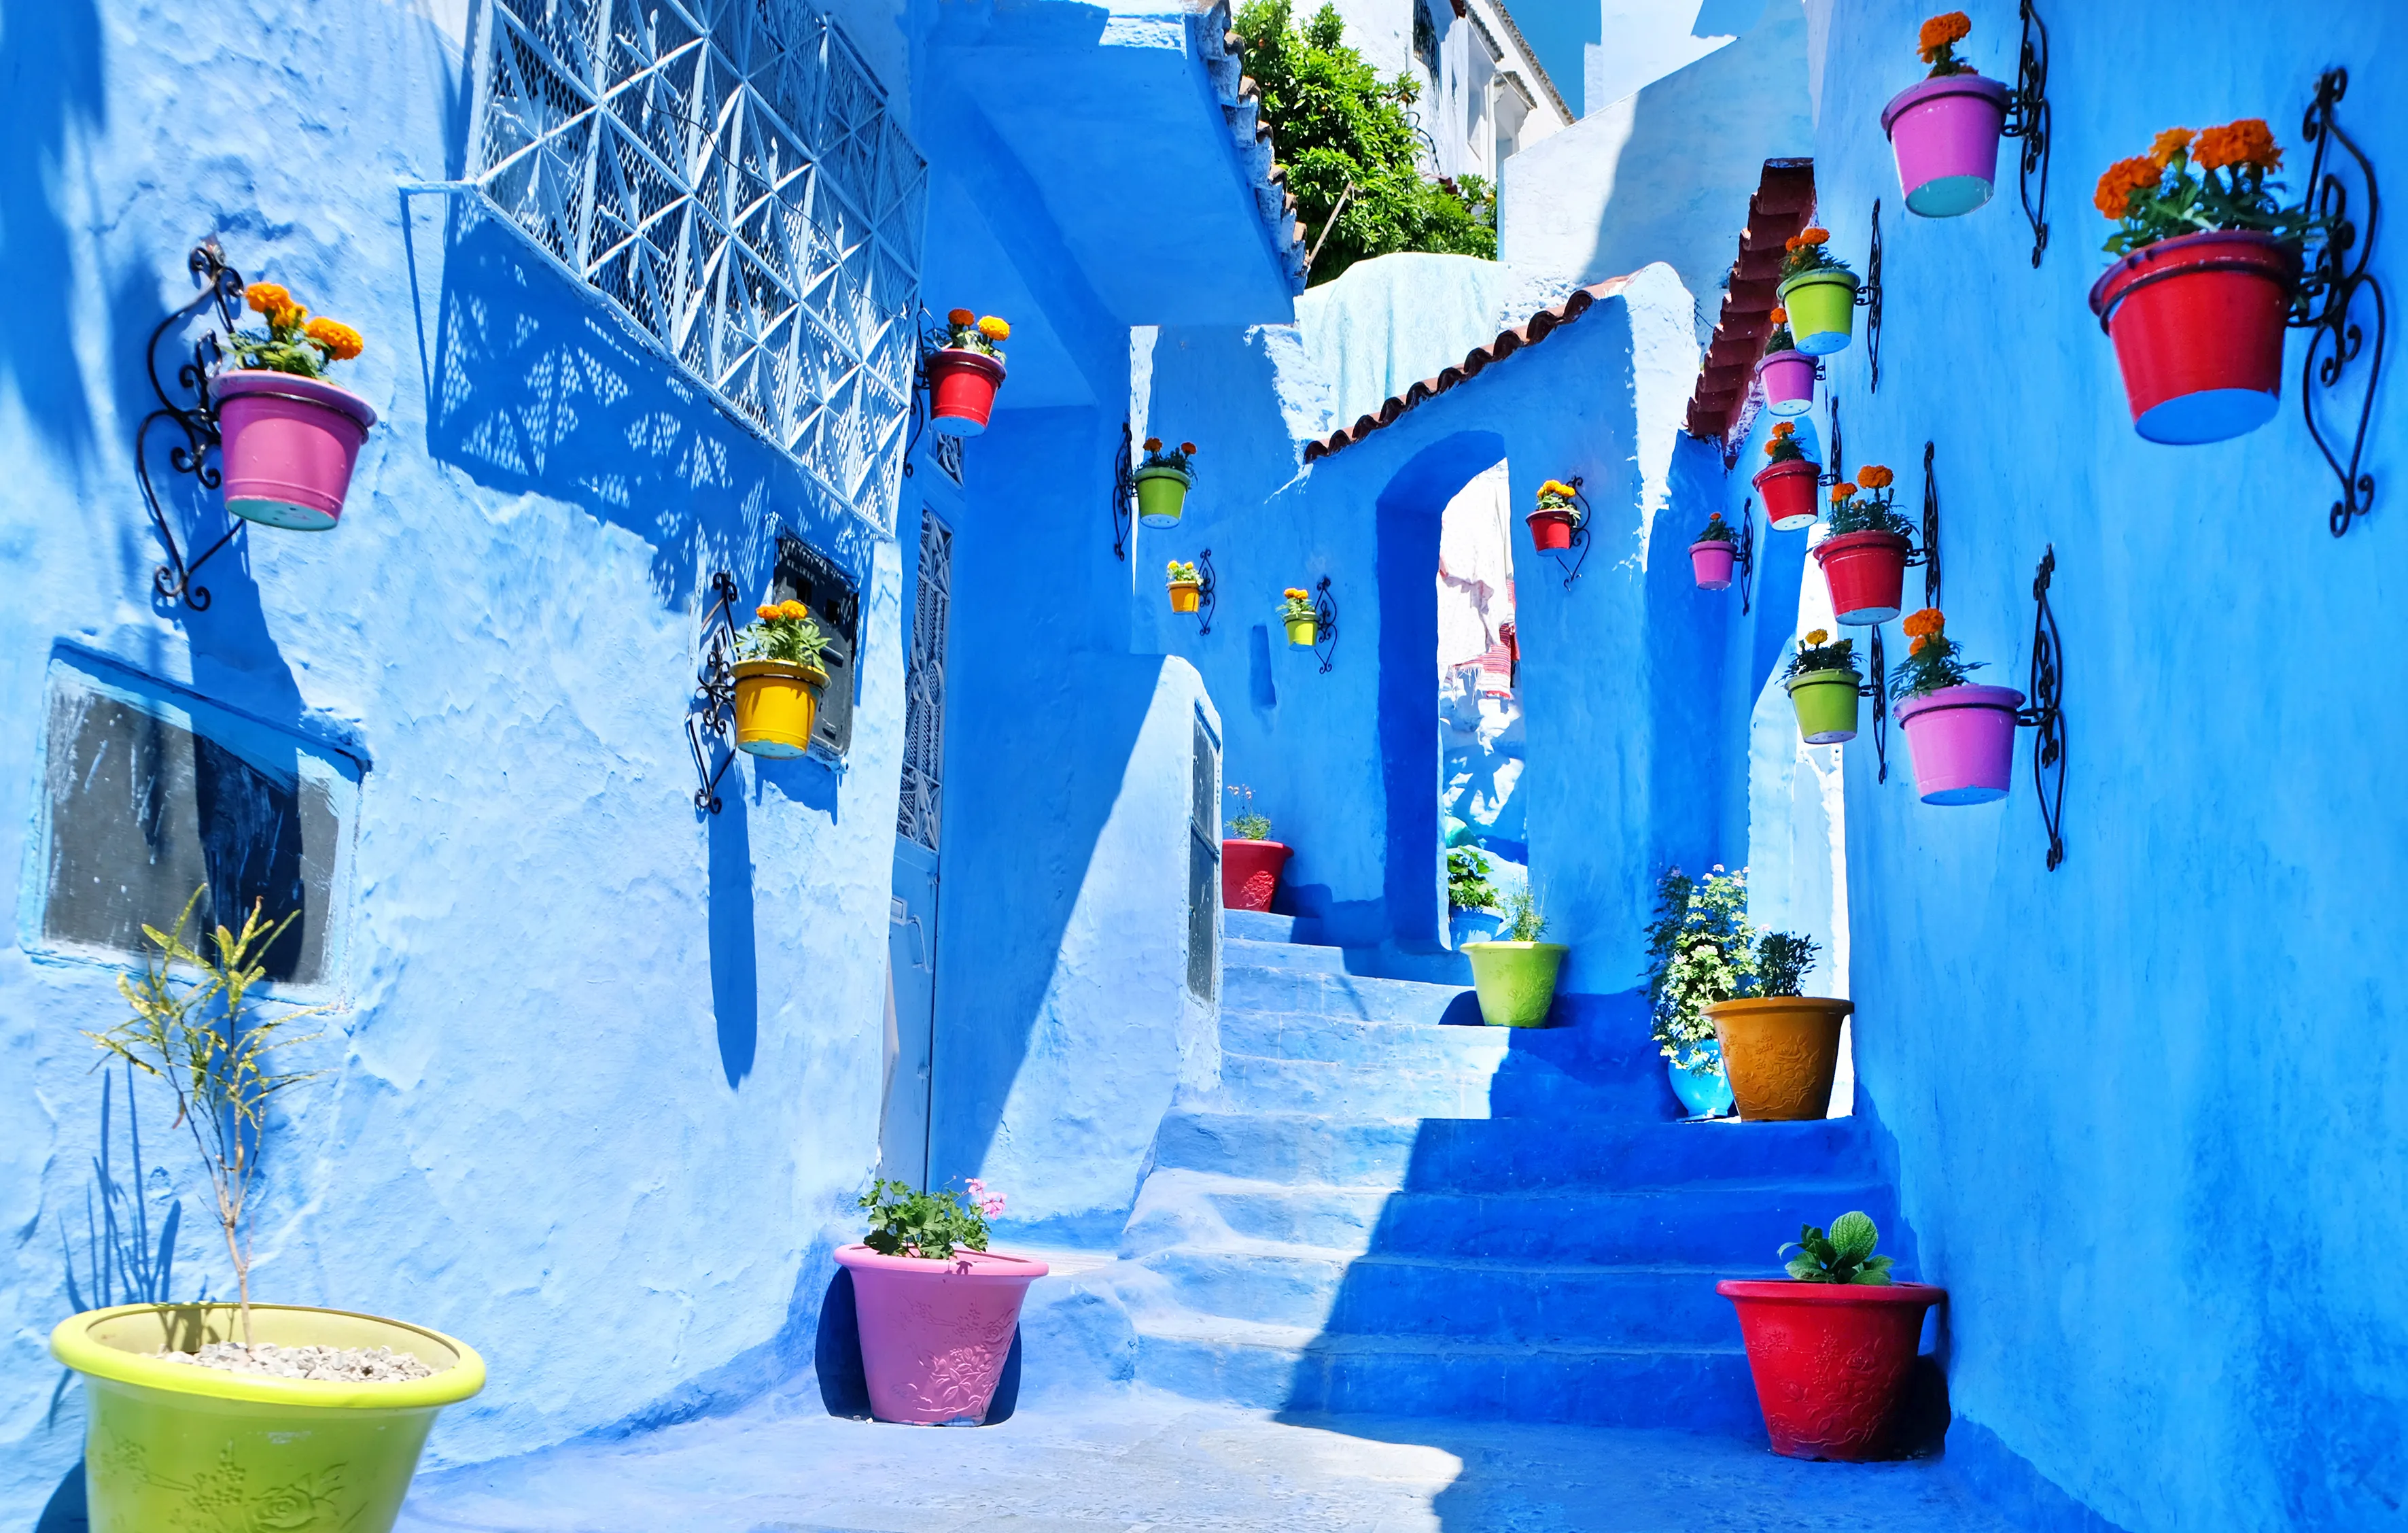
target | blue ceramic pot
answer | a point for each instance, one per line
(1704, 1092)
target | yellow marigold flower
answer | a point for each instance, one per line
(266, 297)
(961, 316)
(2247, 142)
(764, 613)
(2165, 145)
(1173, 567)
(995, 329)
(2124, 181)
(340, 340)
(1925, 622)
(289, 317)
(1817, 636)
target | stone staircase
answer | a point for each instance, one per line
(1386, 1207)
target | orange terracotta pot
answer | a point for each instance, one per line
(1780, 1052)
(1185, 595)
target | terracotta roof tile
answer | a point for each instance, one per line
(1783, 201)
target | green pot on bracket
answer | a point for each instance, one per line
(1822, 309)
(1516, 981)
(1825, 701)
(171, 1445)
(1161, 495)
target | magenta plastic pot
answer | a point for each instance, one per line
(1945, 135)
(1788, 380)
(290, 444)
(1710, 560)
(1963, 742)
(934, 1334)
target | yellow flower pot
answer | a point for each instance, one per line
(776, 704)
(1186, 596)
(1300, 631)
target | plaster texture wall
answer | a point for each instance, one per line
(1383, 325)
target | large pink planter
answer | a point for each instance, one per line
(934, 1334)
(1963, 741)
(290, 444)
(1710, 560)
(1788, 378)
(1945, 135)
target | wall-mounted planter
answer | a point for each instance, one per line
(1825, 701)
(291, 443)
(1705, 1091)
(1963, 741)
(1250, 873)
(1866, 574)
(2198, 326)
(1302, 632)
(1788, 380)
(1822, 309)
(1780, 1052)
(1552, 530)
(275, 1453)
(961, 391)
(1515, 981)
(777, 703)
(1788, 492)
(1186, 596)
(1711, 560)
(935, 1335)
(1945, 133)
(1161, 495)
(1831, 1360)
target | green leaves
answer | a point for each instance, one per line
(1843, 1255)
(907, 1222)
(1466, 880)
(1782, 960)
(1701, 948)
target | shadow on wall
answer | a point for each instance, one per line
(53, 58)
(735, 979)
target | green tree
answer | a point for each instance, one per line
(1346, 134)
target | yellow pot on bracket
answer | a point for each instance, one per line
(777, 703)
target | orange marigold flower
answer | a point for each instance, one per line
(1786, 428)
(764, 613)
(1791, 244)
(2247, 142)
(266, 297)
(1154, 444)
(995, 329)
(2124, 181)
(340, 340)
(1189, 447)
(2166, 144)
(793, 610)
(1841, 492)
(961, 316)
(1813, 236)
(1780, 315)
(1941, 31)
(1924, 623)
(1872, 476)
(1922, 643)
(288, 317)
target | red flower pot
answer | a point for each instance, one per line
(961, 391)
(1867, 573)
(1250, 873)
(1831, 1360)
(2198, 326)
(1551, 529)
(1710, 559)
(1788, 492)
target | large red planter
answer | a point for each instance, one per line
(1788, 492)
(2198, 326)
(290, 444)
(1963, 742)
(1552, 530)
(1711, 560)
(1250, 873)
(1831, 1360)
(1866, 574)
(961, 391)
(935, 1335)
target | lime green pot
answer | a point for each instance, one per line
(1161, 495)
(1516, 981)
(1825, 701)
(199, 1450)
(1822, 309)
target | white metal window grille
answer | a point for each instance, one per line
(921, 812)
(725, 173)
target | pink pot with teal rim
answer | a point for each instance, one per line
(1963, 742)
(1788, 380)
(1945, 135)
(935, 1335)
(1711, 560)
(289, 445)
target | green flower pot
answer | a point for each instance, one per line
(1161, 495)
(1822, 309)
(198, 1450)
(1825, 701)
(1516, 981)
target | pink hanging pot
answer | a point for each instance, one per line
(1711, 560)
(935, 1335)
(289, 445)
(1945, 133)
(1788, 380)
(1963, 742)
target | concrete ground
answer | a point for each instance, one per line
(1142, 1462)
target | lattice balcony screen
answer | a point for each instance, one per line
(725, 173)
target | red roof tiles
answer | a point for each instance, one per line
(1783, 202)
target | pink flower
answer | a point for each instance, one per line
(992, 1206)
(978, 1189)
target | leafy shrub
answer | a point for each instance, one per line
(1247, 825)
(1700, 950)
(1466, 880)
(1843, 1255)
(1524, 923)
(907, 1222)
(1782, 960)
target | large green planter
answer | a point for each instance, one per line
(1516, 981)
(1825, 701)
(1161, 494)
(168, 1446)
(1822, 309)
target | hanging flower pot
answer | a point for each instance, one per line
(1819, 294)
(1944, 130)
(1161, 483)
(1296, 612)
(290, 438)
(1781, 1052)
(1866, 574)
(1556, 519)
(779, 680)
(1788, 378)
(1186, 586)
(935, 1330)
(1962, 737)
(1249, 871)
(1712, 555)
(1787, 483)
(965, 373)
(1824, 687)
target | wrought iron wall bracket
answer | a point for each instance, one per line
(2336, 275)
(1878, 690)
(1580, 537)
(710, 717)
(2044, 710)
(947, 448)
(196, 420)
(1325, 621)
(1868, 298)
(2028, 120)
(1743, 554)
(1927, 555)
(1124, 495)
(1208, 597)
(1834, 469)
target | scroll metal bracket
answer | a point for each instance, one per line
(1868, 298)
(1927, 553)
(196, 420)
(1835, 468)
(1580, 537)
(1208, 597)
(1325, 619)
(2336, 275)
(710, 717)
(2045, 710)
(1878, 690)
(1124, 495)
(2028, 119)
(1744, 557)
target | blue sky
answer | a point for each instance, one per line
(1557, 29)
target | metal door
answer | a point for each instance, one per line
(912, 927)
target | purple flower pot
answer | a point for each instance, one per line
(1945, 134)
(290, 444)
(1710, 560)
(1788, 380)
(1963, 741)
(935, 1335)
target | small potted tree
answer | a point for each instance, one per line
(1787, 482)
(2210, 269)
(1163, 480)
(1819, 291)
(1864, 558)
(290, 438)
(1251, 861)
(1833, 1348)
(1962, 737)
(1944, 128)
(1186, 586)
(1824, 686)
(1302, 623)
(1473, 904)
(1558, 516)
(1515, 974)
(1787, 373)
(779, 680)
(937, 1308)
(1779, 1048)
(1711, 555)
(1700, 949)
(965, 373)
(242, 1415)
